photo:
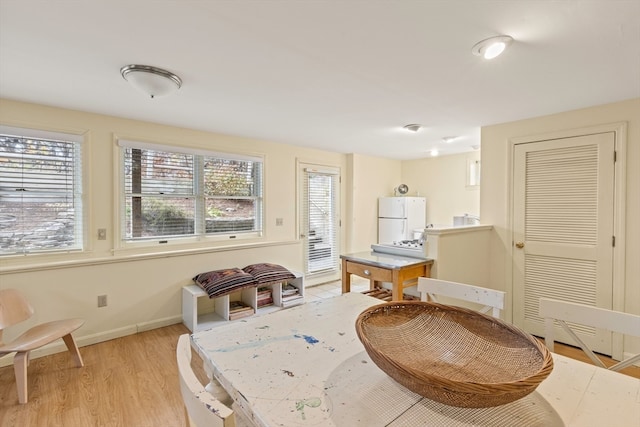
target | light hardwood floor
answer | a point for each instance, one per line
(129, 382)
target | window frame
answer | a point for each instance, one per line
(80, 184)
(199, 235)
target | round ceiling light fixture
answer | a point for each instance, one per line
(449, 139)
(151, 80)
(412, 127)
(492, 47)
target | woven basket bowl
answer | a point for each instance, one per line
(453, 355)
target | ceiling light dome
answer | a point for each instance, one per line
(492, 47)
(151, 80)
(413, 127)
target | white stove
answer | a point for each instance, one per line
(409, 248)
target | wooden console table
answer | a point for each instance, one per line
(401, 271)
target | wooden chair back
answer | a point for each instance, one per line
(615, 321)
(14, 308)
(490, 299)
(202, 409)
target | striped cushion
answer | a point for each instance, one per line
(221, 282)
(265, 273)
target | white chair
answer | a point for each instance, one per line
(201, 408)
(560, 311)
(14, 309)
(491, 299)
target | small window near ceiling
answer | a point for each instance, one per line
(473, 173)
(40, 191)
(173, 193)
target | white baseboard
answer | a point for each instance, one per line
(82, 341)
(159, 323)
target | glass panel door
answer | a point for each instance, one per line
(320, 219)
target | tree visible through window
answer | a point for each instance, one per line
(40, 194)
(177, 194)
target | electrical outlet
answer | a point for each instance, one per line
(279, 221)
(102, 300)
(102, 234)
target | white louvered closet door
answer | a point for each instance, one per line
(563, 229)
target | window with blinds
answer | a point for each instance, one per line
(321, 220)
(40, 192)
(176, 194)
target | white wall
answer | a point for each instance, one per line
(442, 180)
(370, 178)
(144, 291)
(143, 286)
(494, 197)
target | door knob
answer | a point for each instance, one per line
(519, 245)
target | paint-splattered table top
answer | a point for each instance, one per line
(305, 366)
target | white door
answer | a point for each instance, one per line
(319, 218)
(563, 216)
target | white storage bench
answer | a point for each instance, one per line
(201, 312)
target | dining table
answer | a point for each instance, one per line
(305, 366)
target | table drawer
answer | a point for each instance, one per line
(376, 273)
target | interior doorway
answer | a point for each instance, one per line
(564, 228)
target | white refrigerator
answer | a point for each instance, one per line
(398, 217)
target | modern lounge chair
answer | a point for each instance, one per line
(14, 309)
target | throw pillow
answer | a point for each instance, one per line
(265, 273)
(217, 283)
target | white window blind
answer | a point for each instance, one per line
(40, 191)
(185, 193)
(159, 193)
(232, 191)
(320, 193)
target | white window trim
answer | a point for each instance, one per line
(177, 243)
(41, 134)
(187, 150)
(78, 136)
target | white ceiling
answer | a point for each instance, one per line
(339, 75)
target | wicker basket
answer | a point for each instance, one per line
(453, 355)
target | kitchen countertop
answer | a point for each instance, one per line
(401, 271)
(383, 260)
(451, 229)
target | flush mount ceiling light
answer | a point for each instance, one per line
(413, 127)
(492, 47)
(151, 80)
